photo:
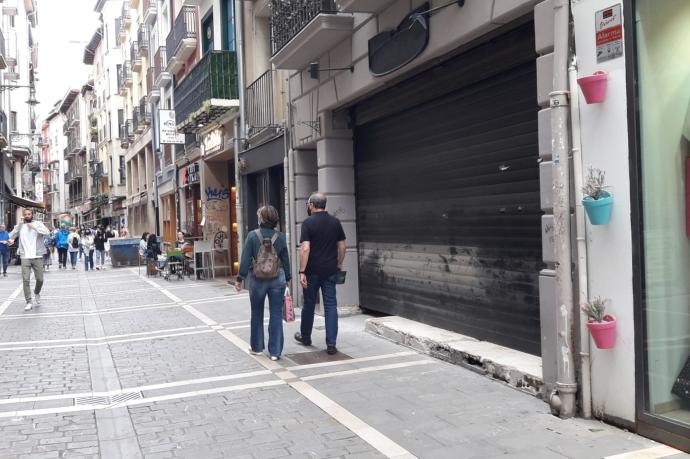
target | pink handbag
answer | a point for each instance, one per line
(288, 307)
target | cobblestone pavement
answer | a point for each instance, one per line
(117, 365)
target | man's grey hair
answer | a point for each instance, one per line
(318, 199)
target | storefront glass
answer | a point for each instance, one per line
(663, 56)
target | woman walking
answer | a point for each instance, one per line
(153, 249)
(62, 244)
(87, 244)
(49, 243)
(142, 246)
(99, 244)
(73, 246)
(265, 251)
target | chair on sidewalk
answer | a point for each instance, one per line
(203, 260)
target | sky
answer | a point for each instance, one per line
(62, 32)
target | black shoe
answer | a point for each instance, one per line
(302, 340)
(331, 350)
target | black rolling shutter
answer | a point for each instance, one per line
(448, 196)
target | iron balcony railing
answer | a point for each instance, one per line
(126, 16)
(134, 56)
(144, 111)
(213, 77)
(150, 10)
(143, 39)
(93, 156)
(183, 28)
(127, 73)
(289, 17)
(124, 137)
(136, 125)
(259, 104)
(160, 62)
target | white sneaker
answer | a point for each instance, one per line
(37, 300)
(274, 358)
(253, 352)
(28, 307)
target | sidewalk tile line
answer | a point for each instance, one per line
(647, 453)
(345, 362)
(89, 340)
(57, 315)
(366, 432)
(72, 409)
(10, 299)
(167, 385)
(357, 371)
(107, 342)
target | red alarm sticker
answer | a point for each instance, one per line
(609, 33)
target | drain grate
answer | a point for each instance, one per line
(108, 400)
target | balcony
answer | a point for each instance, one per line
(303, 30)
(144, 112)
(259, 104)
(3, 129)
(143, 39)
(130, 130)
(3, 61)
(34, 162)
(93, 156)
(126, 16)
(100, 200)
(182, 39)
(150, 11)
(121, 31)
(136, 122)
(127, 74)
(363, 6)
(208, 91)
(161, 76)
(149, 82)
(124, 137)
(134, 56)
(97, 170)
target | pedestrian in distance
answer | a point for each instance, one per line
(322, 254)
(143, 243)
(4, 249)
(62, 245)
(109, 234)
(49, 242)
(31, 248)
(87, 244)
(266, 253)
(99, 246)
(153, 249)
(73, 247)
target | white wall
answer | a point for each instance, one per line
(605, 146)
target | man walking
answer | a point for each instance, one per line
(31, 249)
(4, 249)
(321, 258)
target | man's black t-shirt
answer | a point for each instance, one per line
(323, 232)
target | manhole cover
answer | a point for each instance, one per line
(308, 358)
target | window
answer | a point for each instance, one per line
(13, 122)
(120, 118)
(123, 175)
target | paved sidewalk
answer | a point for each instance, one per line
(117, 365)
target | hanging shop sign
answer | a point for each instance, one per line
(213, 141)
(393, 49)
(609, 33)
(191, 174)
(167, 129)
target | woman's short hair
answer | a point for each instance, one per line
(268, 216)
(145, 235)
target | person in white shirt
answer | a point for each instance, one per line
(31, 249)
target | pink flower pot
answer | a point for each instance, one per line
(603, 333)
(594, 87)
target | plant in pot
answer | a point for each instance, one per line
(596, 200)
(602, 326)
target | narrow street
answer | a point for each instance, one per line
(117, 365)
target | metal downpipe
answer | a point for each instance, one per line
(566, 385)
(240, 125)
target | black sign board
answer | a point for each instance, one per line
(393, 49)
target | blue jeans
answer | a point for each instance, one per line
(275, 290)
(5, 257)
(330, 306)
(88, 259)
(73, 258)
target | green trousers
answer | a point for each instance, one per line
(27, 265)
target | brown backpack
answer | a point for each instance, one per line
(266, 264)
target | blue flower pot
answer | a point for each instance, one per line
(598, 210)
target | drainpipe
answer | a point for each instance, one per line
(155, 149)
(294, 260)
(583, 287)
(286, 191)
(240, 125)
(566, 387)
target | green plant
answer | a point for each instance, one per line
(595, 309)
(594, 186)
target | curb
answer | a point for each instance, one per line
(517, 369)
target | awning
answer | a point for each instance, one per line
(21, 202)
(263, 156)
